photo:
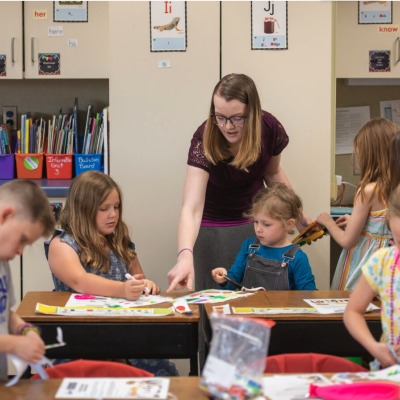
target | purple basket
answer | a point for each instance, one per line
(6, 166)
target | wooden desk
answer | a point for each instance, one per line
(184, 388)
(174, 336)
(305, 333)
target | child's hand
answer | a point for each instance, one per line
(29, 348)
(153, 288)
(324, 219)
(381, 352)
(217, 275)
(343, 221)
(133, 289)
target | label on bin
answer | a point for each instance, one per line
(31, 163)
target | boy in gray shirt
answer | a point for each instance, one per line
(25, 216)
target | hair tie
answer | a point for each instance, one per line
(184, 250)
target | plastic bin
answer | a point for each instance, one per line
(29, 166)
(87, 162)
(59, 166)
(6, 166)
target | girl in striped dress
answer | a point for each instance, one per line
(366, 230)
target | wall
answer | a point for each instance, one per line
(298, 93)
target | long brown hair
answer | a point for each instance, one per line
(394, 205)
(372, 147)
(216, 148)
(277, 201)
(78, 218)
(395, 163)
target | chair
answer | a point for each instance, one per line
(309, 363)
(94, 369)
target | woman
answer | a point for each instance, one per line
(231, 155)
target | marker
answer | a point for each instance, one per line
(394, 354)
(131, 278)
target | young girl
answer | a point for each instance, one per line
(380, 275)
(366, 230)
(270, 260)
(92, 251)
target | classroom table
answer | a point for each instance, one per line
(96, 338)
(184, 388)
(304, 333)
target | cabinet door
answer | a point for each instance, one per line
(11, 38)
(36, 274)
(354, 41)
(297, 91)
(88, 60)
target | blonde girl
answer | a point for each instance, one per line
(380, 275)
(92, 251)
(366, 231)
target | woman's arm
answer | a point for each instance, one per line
(65, 265)
(355, 323)
(194, 193)
(274, 173)
(348, 238)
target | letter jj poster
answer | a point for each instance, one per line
(269, 25)
(168, 26)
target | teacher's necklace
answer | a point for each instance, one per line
(396, 262)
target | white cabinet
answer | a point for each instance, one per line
(36, 274)
(354, 41)
(89, 59)
(11, 39)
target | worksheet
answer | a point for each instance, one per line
(333, 306)
(103, 312)
(88, 300)
(113, 388)
(289, 387)
(256, 310)
(214, 296)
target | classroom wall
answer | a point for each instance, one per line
(297, 92)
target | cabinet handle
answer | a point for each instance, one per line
(12, 50)
(32, 40)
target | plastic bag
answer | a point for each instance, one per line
(235, 365)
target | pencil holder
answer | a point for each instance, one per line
(87, 162)
(6, 166)
(59, 166)
(29, 166)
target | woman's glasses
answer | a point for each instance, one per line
(220, 120)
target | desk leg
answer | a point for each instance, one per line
(194, 365)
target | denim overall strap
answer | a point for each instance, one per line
(290, 254)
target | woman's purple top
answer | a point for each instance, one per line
(230, 190)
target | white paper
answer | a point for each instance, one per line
(289, 387)
(333, 306)
(85, 300)
(219, 371)
(72, 42)
(256, 310)
(214, 296)
(386, 109)
(21, 367)
(348, 122)
(181, 306)
(113, 388)
(224, 309)
(55, 31)
(391, 374)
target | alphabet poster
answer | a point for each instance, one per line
(375, 12)
(269, 25)
(168, 26)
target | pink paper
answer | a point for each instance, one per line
(84, 297)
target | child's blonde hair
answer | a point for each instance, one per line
(394, 205)
(278, 202)
(30, 201)
(372, 146)
(78, 218)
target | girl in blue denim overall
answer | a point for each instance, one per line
(270, 260)
(92, 251)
